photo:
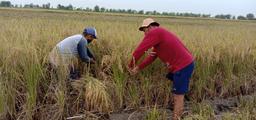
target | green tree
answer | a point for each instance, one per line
(141, 12)
(5, 4)
(102, 9)
(154, 12)
(46, 6)
(241, 17)
(69, 7)
(31, 5)
(165, 13)
(88, 9)
(171, 14)
(228, 16)
(206, 15)
(129, 11)
(250, 16)
(96, 8)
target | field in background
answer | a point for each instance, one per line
(225, 53)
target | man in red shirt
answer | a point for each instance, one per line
(170, 50)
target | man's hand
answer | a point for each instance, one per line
(134, 71)
(152, 53)
(92, 61)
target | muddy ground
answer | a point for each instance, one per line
(220, 106)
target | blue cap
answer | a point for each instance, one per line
(91, 31)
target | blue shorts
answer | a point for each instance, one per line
(181, 79)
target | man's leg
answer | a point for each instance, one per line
(180, 88)
(74, 68)
(178, 106)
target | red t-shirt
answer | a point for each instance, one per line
(167, 47)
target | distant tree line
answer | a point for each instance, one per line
(62, 7)
(97, 8)
(130, 11)
(249, 16)
(31, 5)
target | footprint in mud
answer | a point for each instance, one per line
(224, 105)
(223, 108)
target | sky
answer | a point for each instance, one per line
(213, 7)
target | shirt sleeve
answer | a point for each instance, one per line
(90, 54)
(82, 51)
(150, 40)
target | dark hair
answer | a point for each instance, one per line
(154, 24)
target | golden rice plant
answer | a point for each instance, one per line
(97, 98)
(224, 51)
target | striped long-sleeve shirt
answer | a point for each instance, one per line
(75, 45)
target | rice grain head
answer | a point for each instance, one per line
(96, 95)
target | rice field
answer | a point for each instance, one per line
(225, 52)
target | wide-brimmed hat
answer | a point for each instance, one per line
(146, 22)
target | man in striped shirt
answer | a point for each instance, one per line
(73, 49)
